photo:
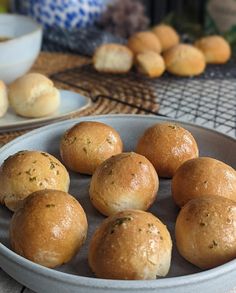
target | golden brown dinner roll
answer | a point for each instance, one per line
(203, 176)
(167, 36)
(130, 245)
(87, 144)
(205, 231)
(3, 99)
(49, 228)
(125, 181)
(34, 95)
(144, 41)
(150, 63)
(215, 49)
(113, 58)
(184, 60)
(167, 146)
(29, 171)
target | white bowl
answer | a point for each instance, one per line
(18, 54)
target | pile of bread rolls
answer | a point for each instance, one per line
(152, 52)
(49, 226)
(32, 95)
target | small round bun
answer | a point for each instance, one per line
(144, 41)
(125, 181)
(205, 231)
(167, 36)
(215, 49)
(167, 146)
(130, 245)
(150, 63)
(3, 99)
(49, 228)
(203, 176)
(87, 144)
(34, 95)
(29, 171)
(184, 60)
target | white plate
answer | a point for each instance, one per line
(76, 275)
(71, 103)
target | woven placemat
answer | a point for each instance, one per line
(51, 63)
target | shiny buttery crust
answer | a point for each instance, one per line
(34, 95)
(3, 99)
(167, 146)
(167, 36)
(150, 63)
(215, 49)
(131, 245)
(49, 229)
(29, 171)
(205, 231)
(125, 181)
(184, 60)
(87, 144)
(203, 176)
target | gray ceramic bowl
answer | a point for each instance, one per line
(76, 275)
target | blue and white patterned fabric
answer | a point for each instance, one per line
(64, 13)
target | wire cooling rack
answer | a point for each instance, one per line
(208, 100)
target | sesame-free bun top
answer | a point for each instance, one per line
(203, 176)
(49, 228)
(28, 171)
(87, 144)
(215, 49)
(167, 146)
(144, 41)
(184, 60)
(167, 36)
(3, 99)
(125, 181)
(34, 95)
(113, 58)
(150, 63)
(130, 245)
(205, 231)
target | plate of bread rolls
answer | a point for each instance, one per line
(125, 203)
(33, 100)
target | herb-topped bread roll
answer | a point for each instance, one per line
(203, 176)
(167, 146)
(29, 171)
(3, 99)
(167, 36)
(113, 58)
(205, 231)
(130, 245)
(34, 95)
(49, 228)
(125, 181)
(184, 60)
(215, 49)
(87, 144)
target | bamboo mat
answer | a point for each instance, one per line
(52, 63)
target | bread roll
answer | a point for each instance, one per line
(150, 63)
(205, 231)
(144, 41)
(113, 58)
(125, 181)
(184, 60)
(130, 245)
(87, 144)
(49, 229)
(203, 176)
(167, 36)
(167, 146)
(215, 49)
(29, 171)
(34, 95)
(3, 99)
